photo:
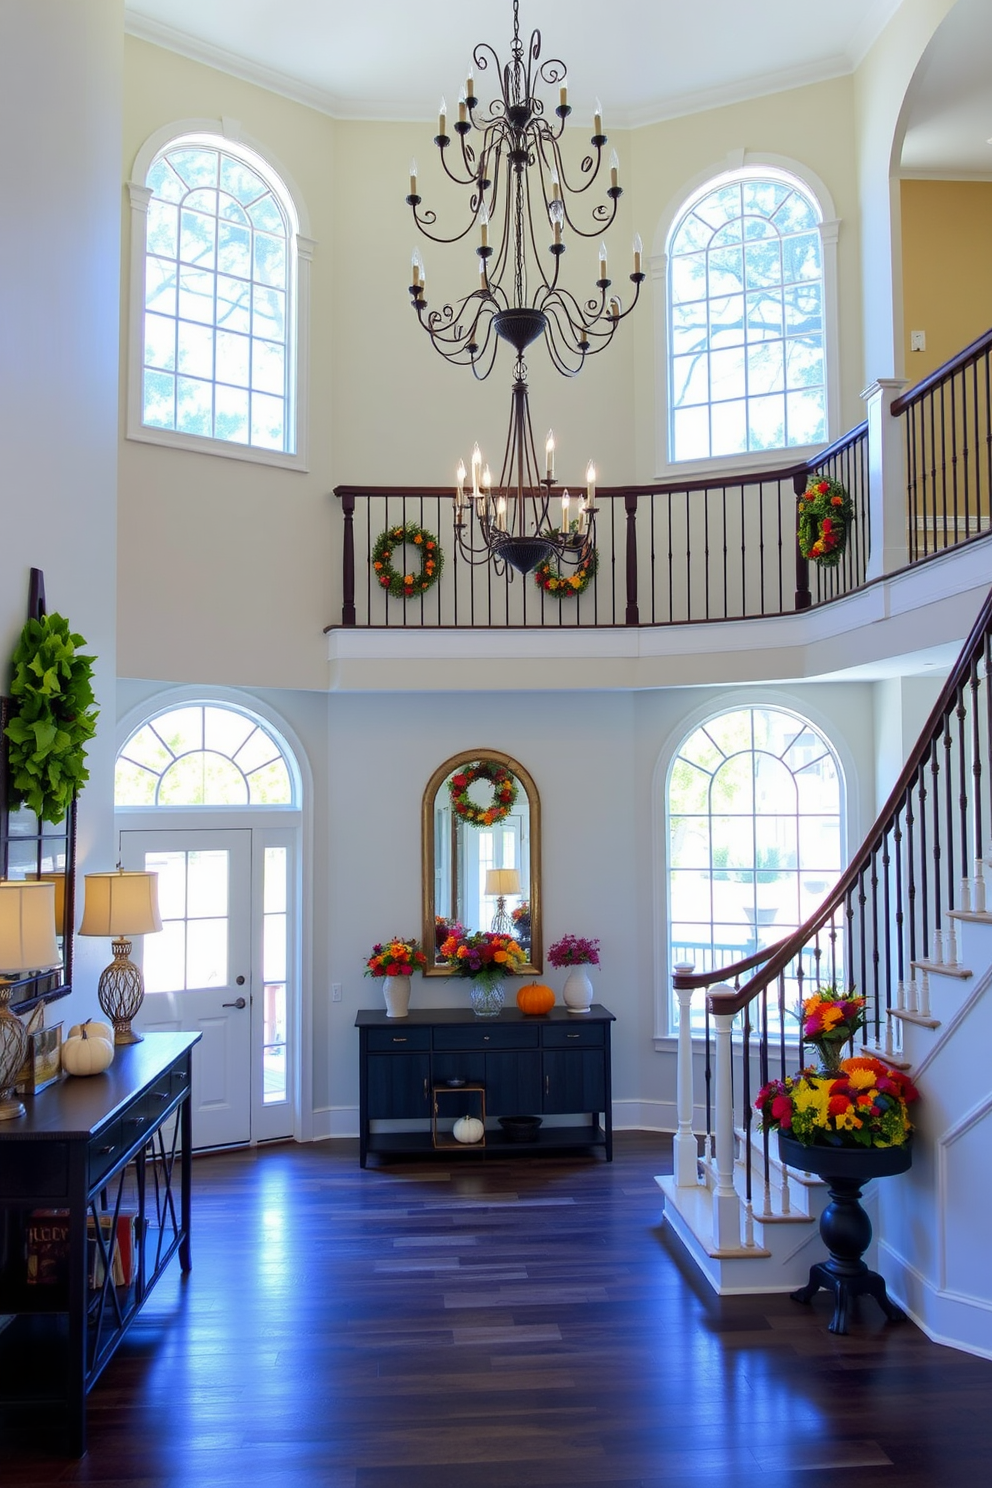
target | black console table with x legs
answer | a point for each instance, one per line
(96, 1151)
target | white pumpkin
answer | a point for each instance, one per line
(468, 1129)
(84, 1054)
(94, 1029)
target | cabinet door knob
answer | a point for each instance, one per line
(547, 1084)
(398, 1040)
(425, 1095)
(571, 1035)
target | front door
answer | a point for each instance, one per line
(198, 969)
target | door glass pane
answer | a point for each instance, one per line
(274, 972)
(191, 950)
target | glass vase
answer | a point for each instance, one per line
(486, 997)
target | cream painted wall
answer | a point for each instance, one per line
(60, 105)
(812, 126)
(946, 270)
(880, 88)
(230, 571)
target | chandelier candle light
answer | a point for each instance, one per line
(509, 158)
(27, 945)
(121, 905)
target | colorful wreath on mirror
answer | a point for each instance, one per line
(825, 513)
(390, 578)
(504, 792)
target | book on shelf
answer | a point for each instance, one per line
(122, 1254)
(48, 1248)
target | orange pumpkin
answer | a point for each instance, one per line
(535, 998)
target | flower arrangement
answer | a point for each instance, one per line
(864, 1104)
(396, 957)
(825, 513)
(522, 912)
(829, 1020)
(483, 955)
(573, 950)
(504, 792)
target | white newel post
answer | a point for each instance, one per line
(886, 478)
(726, 1204)
(686, 1151)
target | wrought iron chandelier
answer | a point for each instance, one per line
(519, 194)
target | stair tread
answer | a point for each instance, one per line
(918, 1018)
(943, 969)
(975, 916)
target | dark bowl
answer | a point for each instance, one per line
(520, 1128)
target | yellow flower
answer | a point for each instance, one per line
(861, 1079)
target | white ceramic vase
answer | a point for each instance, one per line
(577, 992)
(396, 991)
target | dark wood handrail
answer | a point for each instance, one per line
(692, 979)
(942, 374)
(786, 950)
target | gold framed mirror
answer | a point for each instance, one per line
(481, 855)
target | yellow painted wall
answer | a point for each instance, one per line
(946, 268)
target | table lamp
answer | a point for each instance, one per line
(27, 944)
(121, 905)
(499, 883)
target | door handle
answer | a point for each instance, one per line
(240, 981)
(238, 1002)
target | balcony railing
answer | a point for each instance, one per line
(948, 436)
(669, 553)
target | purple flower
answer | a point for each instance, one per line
(573, 950)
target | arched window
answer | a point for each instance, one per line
(204, 755)
(754, 831)
(216, 340)
(747, 363)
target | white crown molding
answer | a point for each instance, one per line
(397, 110)
(877, 16)
(743, 90)
(948, 174)
(270, 78)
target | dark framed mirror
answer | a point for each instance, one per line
(32, 848)
(478, 850)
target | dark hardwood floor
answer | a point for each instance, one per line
(492, 1324)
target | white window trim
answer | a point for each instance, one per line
(727, 701)
(139, 196)
(757, 162)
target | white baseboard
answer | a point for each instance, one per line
(945, 1317)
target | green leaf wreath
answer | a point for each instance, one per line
(390, 578)
(825, 513)
(54, 717)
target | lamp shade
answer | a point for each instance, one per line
(502, 881)
(120, 904)
(27, 926)
(58, 879)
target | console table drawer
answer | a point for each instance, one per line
(104, 1151)
(388, 1040)
(485, 1036)
(572, 1036)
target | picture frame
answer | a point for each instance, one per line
(43, 1064)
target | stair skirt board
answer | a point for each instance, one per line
(780, 1264)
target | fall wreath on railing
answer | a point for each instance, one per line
(504, 792)
(825, 513)
(389, 577)
(549, 577)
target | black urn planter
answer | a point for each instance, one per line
(844, 1226)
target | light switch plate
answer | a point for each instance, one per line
(917, 340)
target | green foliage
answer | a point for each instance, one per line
(53, 693)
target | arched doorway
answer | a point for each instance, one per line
(208, 795)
